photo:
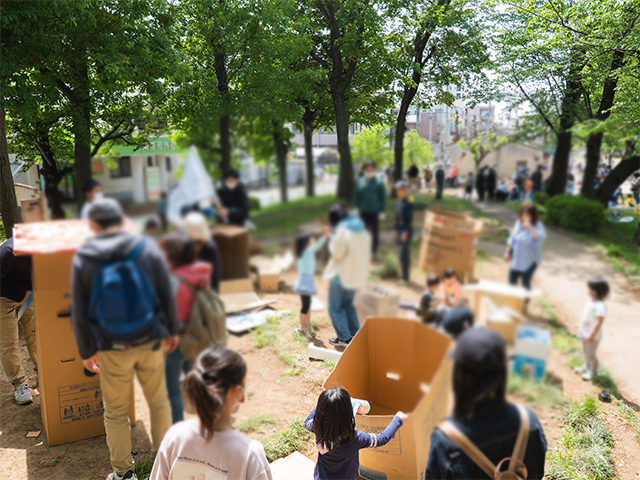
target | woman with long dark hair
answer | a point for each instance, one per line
(482, 414)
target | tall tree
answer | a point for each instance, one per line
(8, 201)
(435, 45)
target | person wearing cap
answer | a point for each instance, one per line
(195, 226)
(92, 191)
(117, 362)
(482, 413)
(16, 308)
(454, 321)
(234, 202)
(404, 228)
(370, 200)
(440, 176)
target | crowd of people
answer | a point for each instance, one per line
(156, 315)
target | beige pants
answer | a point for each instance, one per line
(116, 379)
(9, 343)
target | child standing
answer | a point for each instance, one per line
(451, 291)
(337, 440)
(404, 228)
(591, 326)
(305, 285)
(209, 446)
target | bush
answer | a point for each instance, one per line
(575, 213)
(254, 204)
(540, 198)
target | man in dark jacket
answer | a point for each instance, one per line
(118, 363)
(233, 199)
(536, 178)
(481, 183)
(440, 176)
(404, 228)
(15, 290)
(492, 182)
(370, 200)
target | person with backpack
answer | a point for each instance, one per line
(124, 318)
(200, 312)
(195, 225)
(370, 200)
(486, 437)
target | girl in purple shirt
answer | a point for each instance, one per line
(337, 440)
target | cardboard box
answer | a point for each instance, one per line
(71, 399)
(450, 240)
(531, 351)
(503, 320)
(233, 245)
(295, 466)
(376, 300)
(238, 296)
(270, 270)
(397, 364)
(501, 294)
(33, 210)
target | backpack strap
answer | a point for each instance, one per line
(185, 282)
(467, 446)
(133, 256)
(520, 448)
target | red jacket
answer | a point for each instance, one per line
(198, 274)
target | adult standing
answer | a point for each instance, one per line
(15, 290)
(404, 229)
(440, 176)
(482, 414)
(454, 177)
(635, 187)
(92, 191)
(125, 328)
(524, 244)
(536, 178)
(481, 183)
(370, 200)
(519, 179)
(492, 181)
(195, 226)
(234, 202)
(413, 173)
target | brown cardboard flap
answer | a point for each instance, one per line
(236, 286)
(241, 302)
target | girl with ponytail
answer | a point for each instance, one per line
(209, 446)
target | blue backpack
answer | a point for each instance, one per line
(124, 309)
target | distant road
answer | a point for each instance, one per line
(269, 196)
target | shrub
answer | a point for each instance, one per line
(575, 213)
(254, 203)
(540, 198)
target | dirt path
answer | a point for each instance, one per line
(567, 264)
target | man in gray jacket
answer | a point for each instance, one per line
(115, 361)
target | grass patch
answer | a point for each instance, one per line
(583, 451)
(264, 335)
(254, 423)
(3, 234)
(628, 414)
(296, 368)
(329, 365)
(389, 265)
(540, 393)
(143, 466)
(301, 339)
(286, 441)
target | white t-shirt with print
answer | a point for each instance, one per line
(185, 454)
(592, 310)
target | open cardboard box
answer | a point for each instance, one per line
(501, 294)
(450, 240)
(239, 296)
(376, 300)
(397, 364)
(270, 270)
(504, 320)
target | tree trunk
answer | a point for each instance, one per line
(307, 129)
(625, 168)
(282, 149)
(8, 201)
(398, 147)
(557, 183)
(220, 67)
(82, 134)
(346, 180)
(594, 142)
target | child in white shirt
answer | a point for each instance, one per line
(591, 326)
(209, 446)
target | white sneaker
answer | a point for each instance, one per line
(23, 394)
(587, 377)
(582, 369)
(129, 475)
(304, 332)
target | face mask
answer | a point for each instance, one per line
(98, 196)
(231, 186)
(369, 175)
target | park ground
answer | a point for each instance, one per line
(587, 439)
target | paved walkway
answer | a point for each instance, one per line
(567, 264)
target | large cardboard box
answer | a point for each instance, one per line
(501, 294)
(504, 320)
(233, 245)
(376, 300)
(71, 399)
(270, 270)
(397, 364)
(450, 240)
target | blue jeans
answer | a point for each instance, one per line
(341, 311)
(526, 276)
(173, 368)
(636, 198)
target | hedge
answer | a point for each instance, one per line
(576, 213)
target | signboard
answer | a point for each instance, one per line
(153, 183)
(97, 168)
(153, 146)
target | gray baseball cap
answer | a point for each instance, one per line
(104, 210)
